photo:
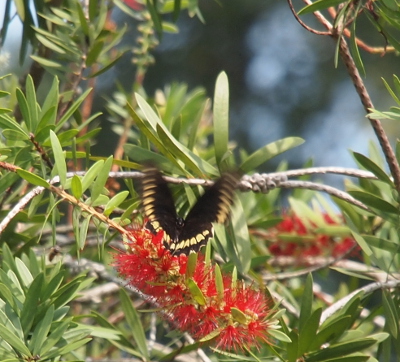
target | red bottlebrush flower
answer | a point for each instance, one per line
(235, 317)
(310, 242)
(133, 4)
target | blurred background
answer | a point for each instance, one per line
(283, 81)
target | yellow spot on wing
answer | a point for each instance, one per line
(200, 237)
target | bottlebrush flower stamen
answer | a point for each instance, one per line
(202, 302)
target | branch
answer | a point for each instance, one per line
(368, 289)
(362, 93)
(255, 183)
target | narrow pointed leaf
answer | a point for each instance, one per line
(269, 151)
(59, 158)
(32, 178)
(133, 319)
(221, 117)
(101, 179)
(196, 292)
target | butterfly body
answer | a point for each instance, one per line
(182, 236)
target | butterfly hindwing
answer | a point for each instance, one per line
(189, 235)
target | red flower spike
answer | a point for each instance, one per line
(236, 315)
(310, 243)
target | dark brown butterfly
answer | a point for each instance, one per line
(182, 236)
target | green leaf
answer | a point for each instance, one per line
(382, 244)
(219, 283)
(354, 47)
(221, 118)
(240, 233)
(31, 103)
(54, 283)
(155, 16)
(192, 161)
(171, 145)
(6, 122)
(82, 19)
(371, 166)
(32, 178)
(134, 322)
(68, 291)
(45, 62)
(309, 331)
(94, 53)
(76, 187)
(29, 309)
(269, 151)
(13, 340)
(71, 347)
(101, 179)
(280, 336)
(91, 174)
(238, 315)
(374, 202)
(7, 296)
(24, 274)
(146, 128)
(177, 10)
(13, 135)
(306, 303)
(51, 101)
(54, 337)
(23, 106)
(191, 265)
(196, 292)
(390, 313)
(59, 158)
(108, 66)
(363, 244)
(115, 202)
(319, 5)
(330, 331)
(71, 109)
(41, 332)
(341, 349)
(83, 230)
(49, 44)
(4, 94)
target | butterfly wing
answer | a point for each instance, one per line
(158, 204)
(213, 206)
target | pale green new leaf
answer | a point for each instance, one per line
(269, 151)
(221, 118)
(320, 5)
(91, 174)
(59, 158)
(101, 179)
(115, 202)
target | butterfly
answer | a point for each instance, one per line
(183, 236)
